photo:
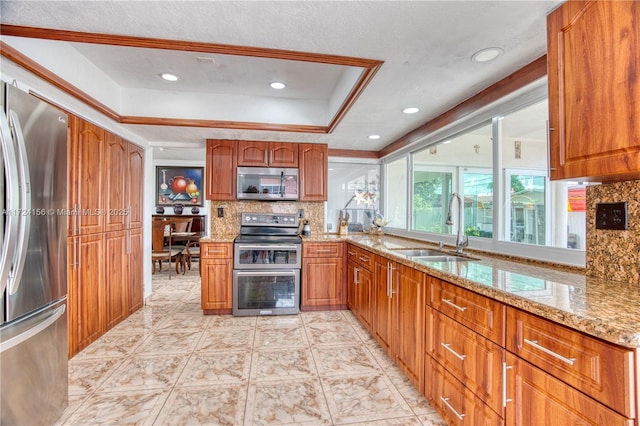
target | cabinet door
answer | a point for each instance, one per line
(593, 92)
(86, 272)
(116, 279)
(364, 300)
(536, 398)
(135, 287)
(253, 153)
(322, 284)
(221, 169)
(408, 288)
(87, 157)
(283, 154)
(313, 164)
(352, 286)
(217, 276)
(382, 320)
(115, 178)
(135, 185)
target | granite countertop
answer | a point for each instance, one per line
(605, 309)
(601, 308)
(227, 238)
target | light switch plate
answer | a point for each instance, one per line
(611, 216)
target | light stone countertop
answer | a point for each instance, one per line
(601, 308)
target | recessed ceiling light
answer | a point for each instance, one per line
(411, 110)
(487, 55)
(374, 136)
(169, 77)
(277, 85)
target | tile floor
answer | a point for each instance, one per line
(167, 364)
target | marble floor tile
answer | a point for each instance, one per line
(224, 339)
(120, 408)
(160, 342)
(205, 405)
(288, 402)
(228, 321)
(344, 359)
(86, 374)
(215, 368)
(143, 371)
(363, 398)
(184, 321)
(281, 337)
(282, 363)
(398, 421)
(114, 345)
(279, 321)
(336, 333)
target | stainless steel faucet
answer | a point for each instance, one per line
(461, 240)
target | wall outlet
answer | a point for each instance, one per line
(220, 211)
(300, 213)
(611, 216)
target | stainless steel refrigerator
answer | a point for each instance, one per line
(33, 276)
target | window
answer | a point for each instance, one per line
(501, 162)
(345, 181)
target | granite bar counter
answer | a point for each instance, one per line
(601, 308)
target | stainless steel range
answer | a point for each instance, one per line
(266, 265)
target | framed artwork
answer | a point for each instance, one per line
(179, 185)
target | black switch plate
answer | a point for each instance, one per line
(611, 216)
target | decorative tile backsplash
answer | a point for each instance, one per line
(612, 254)
(230, 223)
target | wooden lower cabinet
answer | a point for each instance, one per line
(116, 282)
(399, 316)
(216, 278)
(537, 398)
(85, 292)
(360, 286)
(457, 404)
(323, 284)
(471, 358)
(135, 288)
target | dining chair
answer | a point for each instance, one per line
(158, 250)
(192, 251)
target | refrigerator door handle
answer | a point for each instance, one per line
(24, 225)
(12, 203)
(28, 334)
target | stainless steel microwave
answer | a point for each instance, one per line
(267, 183)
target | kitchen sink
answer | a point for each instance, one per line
(431, 255)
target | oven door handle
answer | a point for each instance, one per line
(279, 273)
(275, 247)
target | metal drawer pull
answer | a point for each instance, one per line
(450, 303)
(447, 346)
(450, 407)
(351, 253)
(364, 259)
(535, 344)
(505, 400)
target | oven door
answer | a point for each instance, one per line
(266, 256)
(266, 292)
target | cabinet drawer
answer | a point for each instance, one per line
(360, 256)
(479, 313)
(216, 250)
(599, 369)
(457, 404)
(472, 359)
(322, 249)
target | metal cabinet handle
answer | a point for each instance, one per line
(355, 276)
(453, 305)
(450, 407)
(505, 400)
(351, 253)
(390, 270)
(447, 346)
(364, 259)
(556, 355)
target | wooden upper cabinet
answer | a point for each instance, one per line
(267, 154)
(87, 179)
(115, 182)
(135, 178)
(593, 62)
(314, 166)
(221, 169)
